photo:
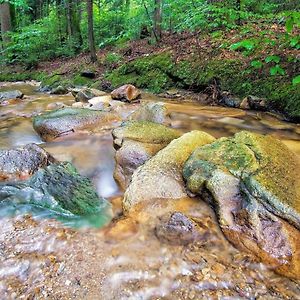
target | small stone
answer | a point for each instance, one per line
(176, 229)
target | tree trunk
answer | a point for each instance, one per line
(157, 19)
(5, 19)
(73, 21)
(89, 7)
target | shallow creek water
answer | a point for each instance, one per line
(43, 259)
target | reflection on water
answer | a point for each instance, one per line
(42, 259)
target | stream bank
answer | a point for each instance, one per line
(126, 260)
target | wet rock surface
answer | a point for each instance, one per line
(58, 188)
(42, 259)
(83, 95)
(153, 112)
(69, 120)
(16, 94)
(45, 259)
(161, 176)
(253, 182)
(21, 163)
(136, 142)
(126, 93)
(177, 229)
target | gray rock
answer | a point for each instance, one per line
(86, 94)
(177, 229)
(23, 162)
(16, 94)
(64, 121)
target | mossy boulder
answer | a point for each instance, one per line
(153, 112)
(136, 142)
(161, 176)
(51, 82)
(59, 189)
(64, 121)
(159, 72)
(147, 73)
(253, 181)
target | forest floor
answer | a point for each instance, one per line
(190, 61)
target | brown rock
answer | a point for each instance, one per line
(126, 92)
(177, 229)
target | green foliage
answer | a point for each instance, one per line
(272, 58)
(246, 46)
(296, 80)
(257, 64)
(277, 70)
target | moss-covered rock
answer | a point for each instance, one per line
(161, 176)
(136, 142)
(64, 121)
(51, 82)
(153, 112)
(59, 190)
(253, 181)
(159, 72)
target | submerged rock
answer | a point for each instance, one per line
(59, 188)
(161, 176)
(23, 162)
(83, 95)
(154, 112)
(177, 229)
(53, 124)
(253, 181)
(127, 92)
(16, 94)
(136, 142)
(55, 105)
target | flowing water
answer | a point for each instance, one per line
(43, 259)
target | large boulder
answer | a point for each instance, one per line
(84, 95)
(127, 92)
(56, 123)
(136, 142)
(58, 188)
(161, 176)
(151, 111)
(16, 94)
(23, 162)
(253, 182)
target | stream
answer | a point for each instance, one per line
(42, 258)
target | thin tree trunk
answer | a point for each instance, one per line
(157, 18)
(238, 7)
(89, 7)
(5, 18)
